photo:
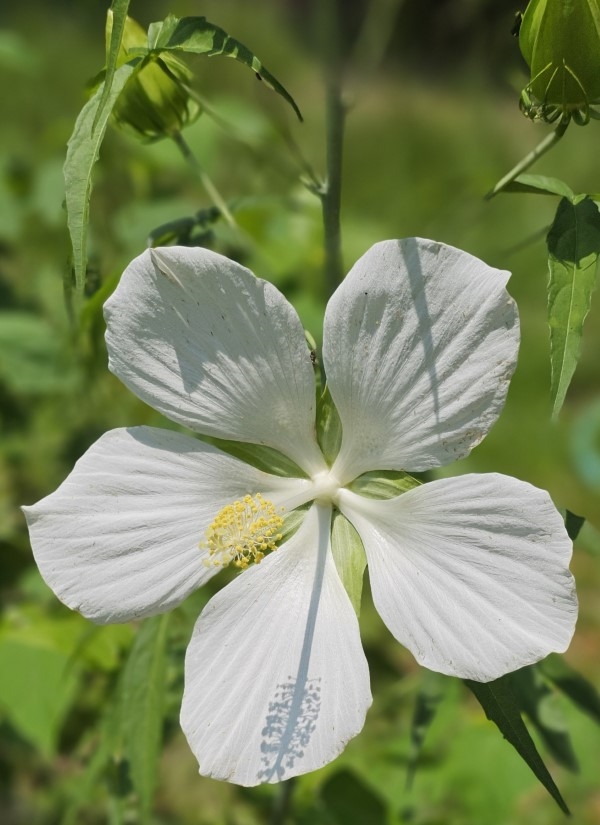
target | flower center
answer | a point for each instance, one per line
(243, 532)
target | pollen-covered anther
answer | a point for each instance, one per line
(243, 533)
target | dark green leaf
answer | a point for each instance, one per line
(573, 249)
(540, 185)
(541, 706)
(501, 707)
(348, 799)
(573, 523)
(431, 693)
(117, 17)
(197, 36)
(142, 706)
(575, 686)
(82, 153)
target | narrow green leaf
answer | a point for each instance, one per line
(540, 703)
(82, 153)
(348, 799)
(349, 557)
(117, 15)
(431, 693)
(142, 706)
(575, 686)
(501, 707)
(197, 36)
(573, 249)
(540, 185)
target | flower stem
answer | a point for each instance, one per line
(206, 182)
(282, 802)
(548, 142)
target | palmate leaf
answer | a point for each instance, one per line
(195, 35)
(82, 153)
(501, 707)
(573, 250)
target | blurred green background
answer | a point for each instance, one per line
(433, 123)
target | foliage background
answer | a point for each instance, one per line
(433, 124)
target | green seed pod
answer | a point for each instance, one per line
(156, 102)
(560, 40)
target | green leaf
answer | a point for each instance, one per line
(36, 689)
(501, 707)
(82, 153)
(349, 557)
(575, 686)
(348, 799)
(142, 696)
(573, 524)
(540, 185)
(117, 17)
(541, 706)
(196, 35)
(431, 693)
(573, 249)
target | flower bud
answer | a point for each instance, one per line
(155, 102)
(560, 40)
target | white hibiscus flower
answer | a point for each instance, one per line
(469, 573)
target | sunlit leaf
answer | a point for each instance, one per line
(196, 35)
(540, 185)
(117, 15)
(82, 153)
(383, 483)
(329, 426)
(573, 249)
(502, 708)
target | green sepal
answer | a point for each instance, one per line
(383, 484)
(573, 251)
(561, 43)
(258, 455)
(329, 426)
(195, 35)
(156, 102)
(349, 557)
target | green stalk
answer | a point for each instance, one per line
(211, 190)
(281, 807)
(529, 159)
(331, 194)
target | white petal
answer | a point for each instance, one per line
(470, 573)
(119, 538)
(203, 341)
(420, 343)
(276, 679)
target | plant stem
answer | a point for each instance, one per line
(329, 39)
(548, 142)
(282, 802)
(206, 182)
